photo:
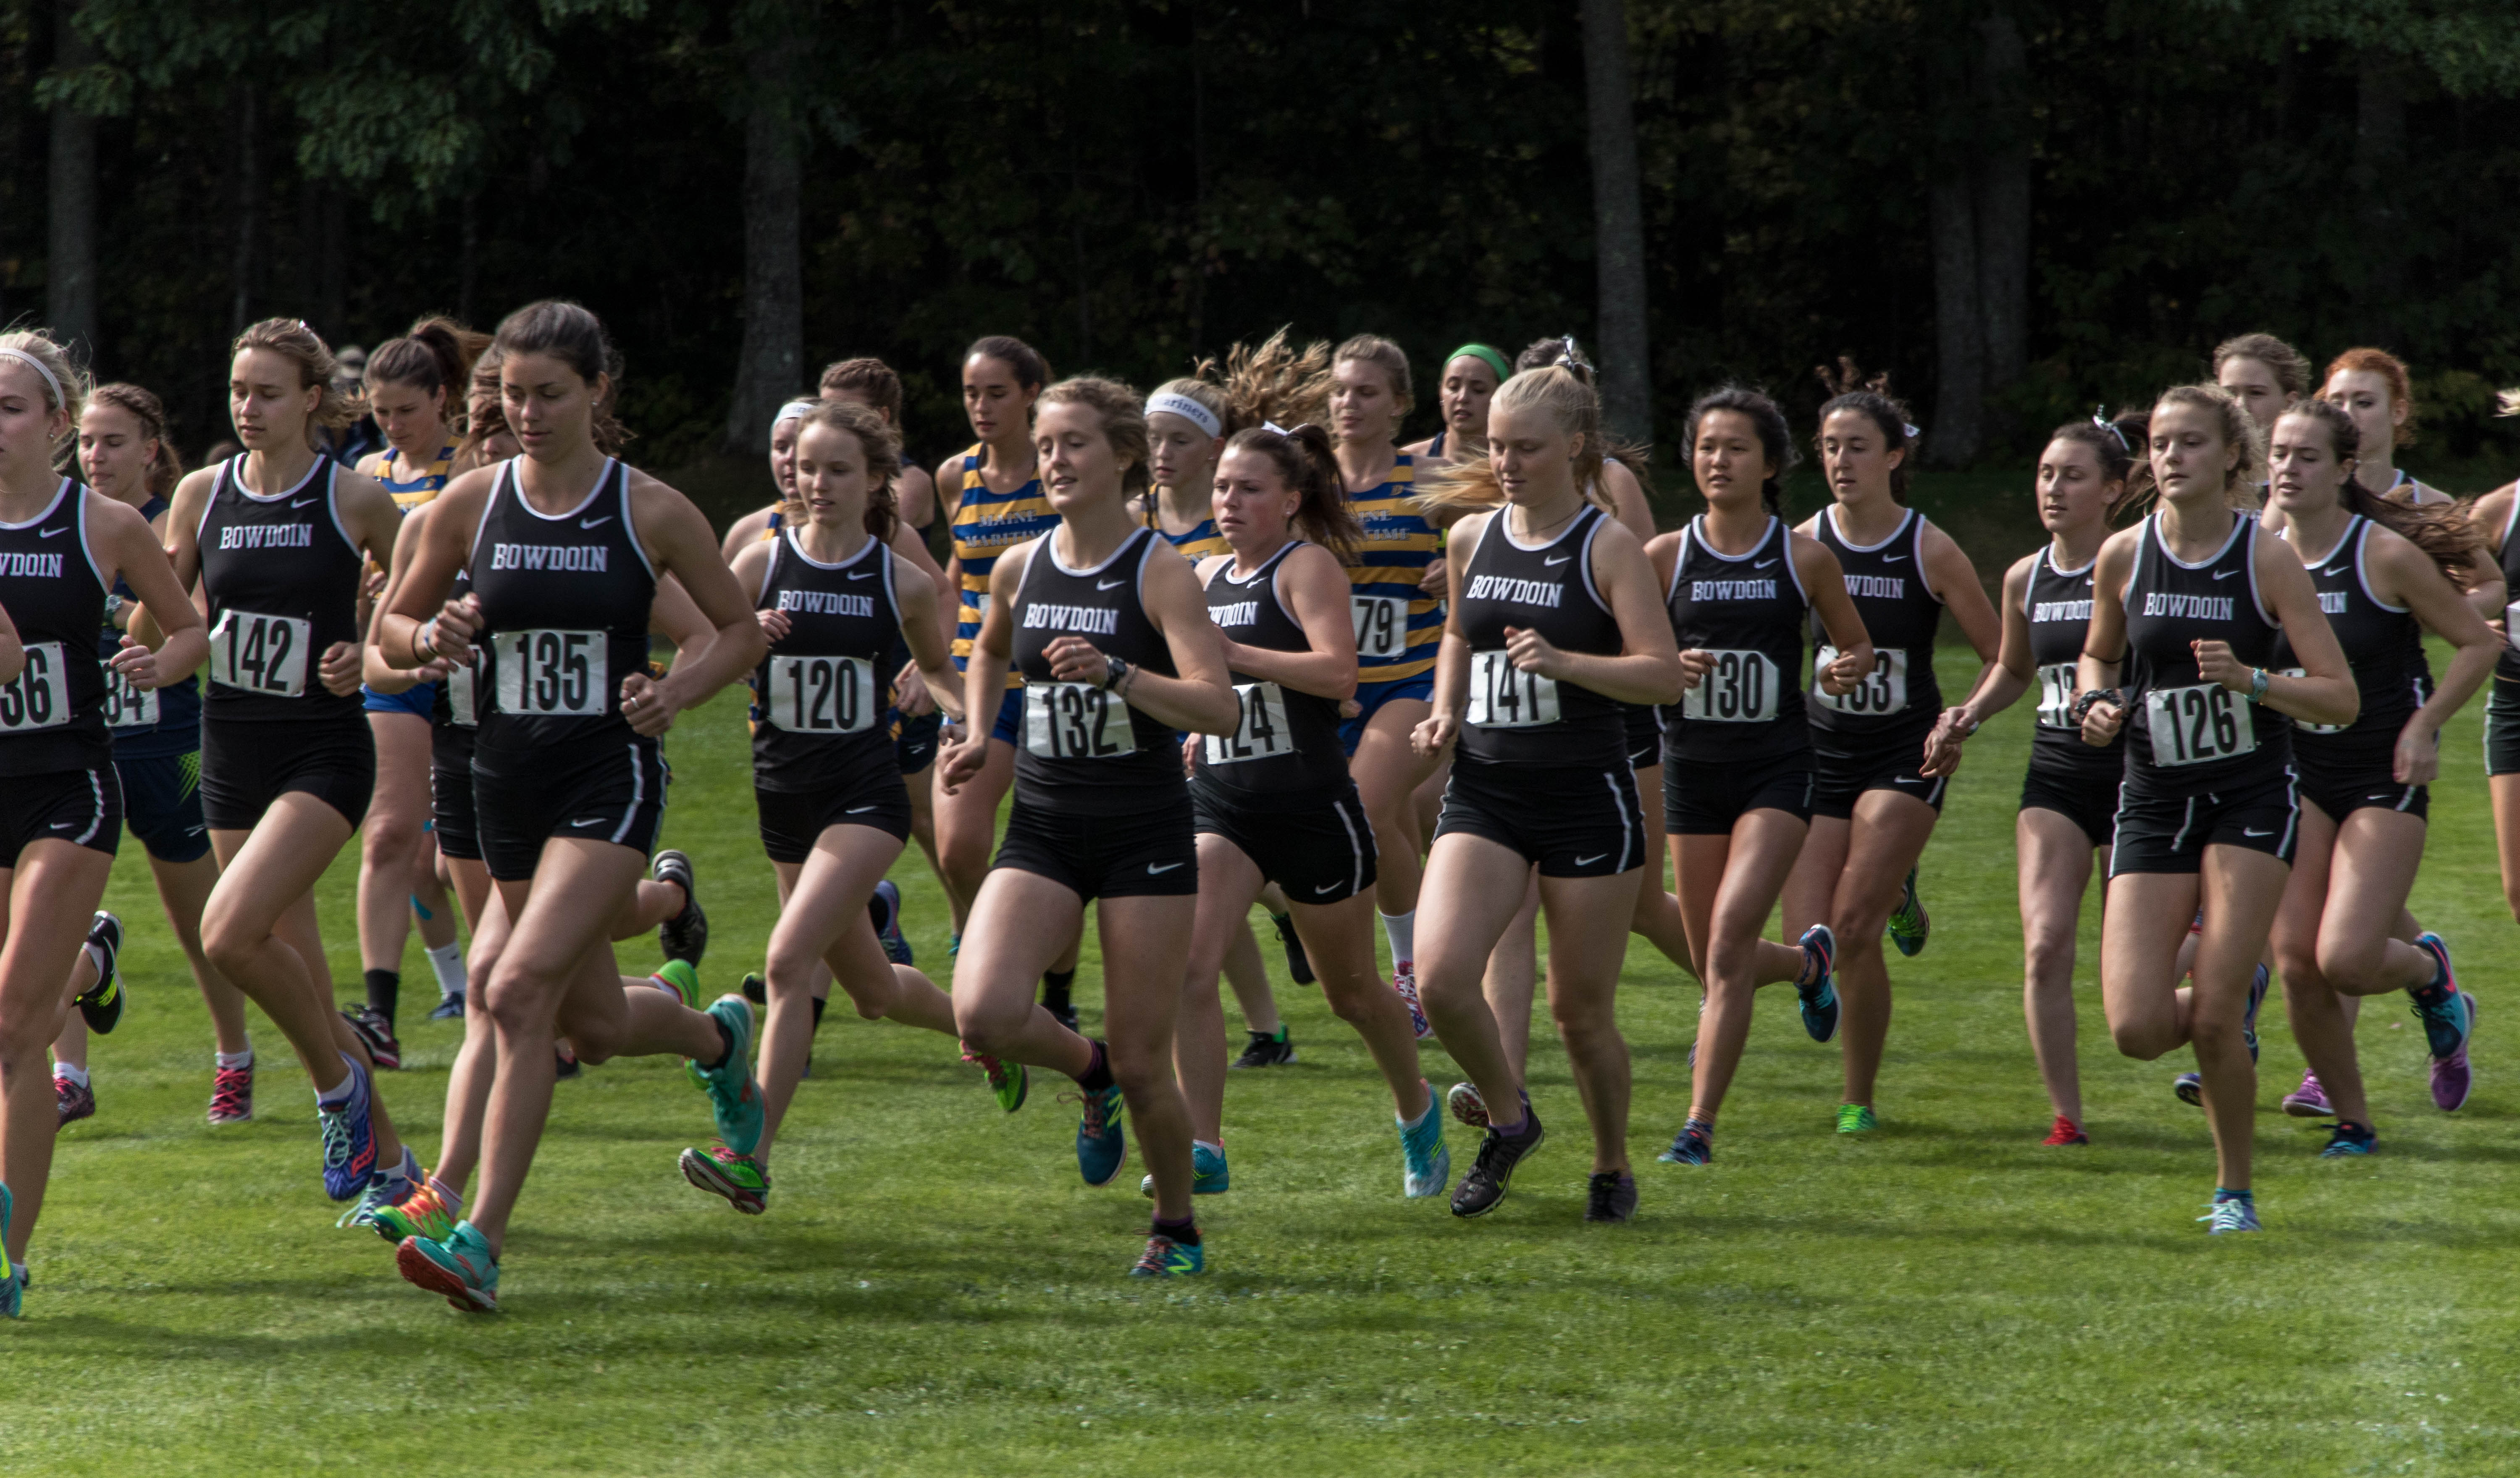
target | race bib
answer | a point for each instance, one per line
(823, 695)
(1504, 697)
(464, 693)
(126, 707)
(2195, 724)
(1381, 626)
(1261, 733)
(260, 654)
(1072, 721)
(1884, 691)
(2311, 728)
(2511, 624)
(1740, 688)
(39, 698)
(2056, 695)
(552, 674)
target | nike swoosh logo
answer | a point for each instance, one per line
(863, 575)
(1153, 869)
(1553, 563)
(2251, 831)
(594, 522)
(1114, 585)
(1892, 558)
(2331, 574)
(1907, 780)
(64, 826)
(1588, 861)
(1327, 888)
(49, 532)
(590, 821)
(302, 502)
(1763, 564)
(2225, 574)
(857, 810)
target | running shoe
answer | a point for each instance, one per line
(1426, 1163)
(564, 1063)
(1208, 1175)
(1819, 996)
(2066, 1132)
(418, 1214)
(349, 1139)
(232, 1096)
(954, 944)
(1265, 1049)
(12, 1282)
(1102, 1143)
(2347, 1140)
(1909, 924)
(1499, 1154)
(679, 977)
(1165, 1258)
(1007, 1080)
(376, 1034)
(733, 1095)
(1857, 1119)
(383, 1192)
(685, 936)
(721, 1172)
(1464, 1104)
(1298, 965)
(1404, 982)
(2190, 1089)
(458, 1267)
(100, 1004)
(74, 1100)
(2234, 1215)
(884, 909)
(2448, 1024)
(1694, 1144)
(2307, 1101)
(1610, 1195)
(449, 1007)
(2258, 984)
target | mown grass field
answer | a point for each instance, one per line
(934, 1292)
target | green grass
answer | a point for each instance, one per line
(934, 1292)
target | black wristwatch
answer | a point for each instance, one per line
(1114, 668)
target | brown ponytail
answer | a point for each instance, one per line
(166, 465)
(1304, 458)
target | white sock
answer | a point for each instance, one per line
(95, 953)
(68, 1074)
(447, 960)
(231, 1061)
(1401, 929)
(340, 1091)
(449, 1197)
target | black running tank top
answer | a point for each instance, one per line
(565, 598)
(1518, 718)
(52, 714)
(1901, 614)
(2185, 736)
(1748, 611)
(2384, 646)
(2058, 606)
(818, 710)
(1286, 745)
(1082, 748)
(281, 577)
(2507, 667)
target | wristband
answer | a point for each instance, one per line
(423, 644)
(2257, 684)
(2090, 696)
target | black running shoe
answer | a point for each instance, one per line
(685, 936)
(1488, 1181)
(1267, 1050)
(376, 1032)
(100, 1004)
(566, 1065)
(755, 990)
(1611, 1196)
(1298, 965)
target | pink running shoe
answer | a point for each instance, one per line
(2310, 1100)
(1403, 983)
(232, 1096)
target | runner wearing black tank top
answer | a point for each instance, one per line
(2344, 932)
(2069, 797)
(2495, 517)
(277, 541)
(62, 549)
(1874, 807)
(1551, 626)
(2187, 604)
(565, 547)
(1110, 631)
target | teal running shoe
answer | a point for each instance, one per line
(1208, 1175)
(1820, 996)
(1102, 1145)
(954, 942)
(1165, 1258)
(1426, 1163)
(458, 1270)
(721, 1172)
(2347, 1140)
(2449, 1018)
(2234, 1215)
(13, 1279)
(1909, 924)
(1694, 1144)
(1007, 1080)
(733, 1098)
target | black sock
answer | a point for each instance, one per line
(1096, 1077)
(1184, 1231)
(1054, 986)
(819, 1003)
(725, 1045)
(385, 991)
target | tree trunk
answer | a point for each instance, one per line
(770, 366)
(249, 210)
(2003, 207)
(1618, 222)
(2380, 162)
(71, 269)
(1957, 429)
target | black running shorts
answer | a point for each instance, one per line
(84, 807)
(2362, 772)
(2502, 728)
(1703, 799)
(246, 765)
(162, 802)
(793, 821)
(914, 746)
(1645, 735)
(1144, 853)
(1319, 852)
(450, 792)
(2087, 797)
(2170, 833)
(1577, 822)
(613, 791)
(1887, 762)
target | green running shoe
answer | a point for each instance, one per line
(1007, 1080)
(1856, 1119)
(1165, 1258)
(755, 990)
(731, 1093)
(721, 1172)
(1908, 922)
(1208, 1175)
(418, 1214)
(685, 979)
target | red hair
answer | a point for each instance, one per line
(2391, 370)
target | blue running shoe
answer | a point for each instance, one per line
(733, 1095)
(2449, 1020)
(449, 1007)
(13, 1283)
(2234, 1215)
(1426, 1163)
(885, 907)
(2190, 1089)
(2257, 998)
(1165, 1258)
(1102, 1145)
(954, 942)
(1819, 996)
(458, 1270)
(349, 1139)
(1694, 1144)
(2347, 1140)
(1208, 1175)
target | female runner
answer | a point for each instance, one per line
(1742, 588)
(2069, 797)
(2186, 605)
(2371, 386)
(1873, 809)
(1554, 625)
(1471, 374)
(2383, 571)
(277, 541)
(62, 549)
(2262, 372)
(1108, 625)
(2495, 517)
(566, 547)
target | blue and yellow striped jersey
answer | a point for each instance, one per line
(410, 486)
(1199, 542)
(987, 524)
(1397, 623)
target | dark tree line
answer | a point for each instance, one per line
(2020, 208)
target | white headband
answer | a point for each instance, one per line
(50, 379)
(1187, 409)
(793, 410)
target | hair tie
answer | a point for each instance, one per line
(2115, 434)
(1175, 403)
(1494, 358)
(52, 381)
(1570, 357)
(1273, 425)
(1912, 432)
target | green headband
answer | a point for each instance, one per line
(1495, 359)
